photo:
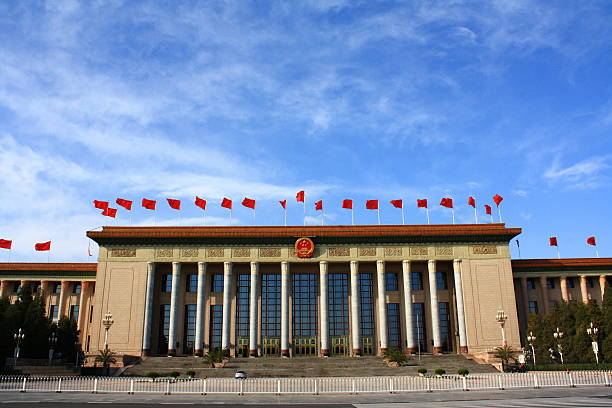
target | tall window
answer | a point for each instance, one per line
(192, 283)
(533, 306)
(305, 308)
(367, 305)
(391, 284)
(338, 304)
(164, 328)
(550, 283)
(217, 283)
(441, 281)
(570, 283)
(418, 320)
(393, 325)
(242, 305)
(216, 325)
(590, 282)
(416, 281)
(445, 329)
(74, 313)
(57, 288)
(270, 305)
(189, 329)
(530, 284)
(166, 283)
(76, 288)
(53, 312)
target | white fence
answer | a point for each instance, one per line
(320, 385)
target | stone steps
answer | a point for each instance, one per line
(43, 371)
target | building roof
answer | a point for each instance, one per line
(321, 234)
(48, 271)
(565, 264)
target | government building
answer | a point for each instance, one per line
(306, 291)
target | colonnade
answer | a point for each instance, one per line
(356, 346)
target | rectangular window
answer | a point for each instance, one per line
(90, 314)
(530, 284)
(445, 329)
(57, 288)
(76, 288)
(164, 328)
(391, 284)
(552, 304)
(441, 281)
(217, 283)
(533, 306)
(570, 283)
(216, 325)
(88, 342)
(192, 283)
(416, 281)
(590, 282)
(550, 283)
(242, 305)
(270, 305)
(337, 300)
(305, 304)
(17, 287)
(74, 313)
(189, 333)
(166, 283)
(367, 304)
(418, 320)
(393, 325)
(53, 312)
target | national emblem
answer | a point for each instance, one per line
(304, 248)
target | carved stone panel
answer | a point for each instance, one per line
(241, 252)
(339, 251)
(269, 252)
(215, 253)
(164, 253)
(123, 253)
(444, 251)
(419, 250)
(190, 252)
(367, 251)
(393, 251)
(484, 249)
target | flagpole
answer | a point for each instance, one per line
(518, 245)
(322, 215)
(596, 252)
(453, 212)
(230, 217)
(427, 212)
(304, 203)
(285, 212)
(499, 212)
(403, 223)
(9, 256)
(253, 216)
(204, 217)
(558, 253)
(475, 215)
(378, 211)
(352, 216)
(491, 218)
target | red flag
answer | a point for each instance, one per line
(422, 203)
(488, 209)
(283, 204)
(249, 203)
(149, 204)
(553, 241)
(102, 205)
(43, 246)
(127, 204)
(176, 204)
(200, 203)
(591, 241)
(447, 202)
(5, 243)
(498, 199)
(348, 204)
(226, 203)
(319, 205)
(372, 204)
(110, 212)
(397, 203)
(299, 197)
(472, 202)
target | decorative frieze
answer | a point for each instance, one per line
(339, 251)
(190, 252)
(393, 251)
(419, 250)
(444, 251)
(123, 253)
(367, 251)
(484, 250)
(164, 253)
(215, 253)
(269, 252)
(241, 253)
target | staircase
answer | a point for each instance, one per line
(306, 366)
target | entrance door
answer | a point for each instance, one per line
(304, 346)
(368, 345)
(242, 348)
(340, 346)
(271, 346)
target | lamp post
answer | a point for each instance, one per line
(558, 335)
(107, 322)
(52, 344)
(501, 318)
(77, 347)
(19, 336)
(531, 340)
(592, 331)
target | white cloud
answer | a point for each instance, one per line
(584, 174)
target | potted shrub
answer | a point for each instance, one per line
(215, 358)
(175, 374)
(152, 375)
(190, 374)
(463, 372)
(422, 371)
(394, 357)
(440, 372)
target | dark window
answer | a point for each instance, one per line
(90, 314)
(190, 324)
(552, 303)
(570, 283)
(53, 312)
(445, 329)
(550, 283)
(391, 284)
(217, 283)
(242, 305)
(367, 305)
(418, 320)
(305, 308)
(441, 281)
(416, 281)
(216, 325)
(74, 313)
(270, 305)
(590, 282)
(533, 306)
(164, 328)
(192, 283)
(76, 288)
(393, 325)
(530, 284)
(58, 288)
(88, 342)
(337, 301)
(166, 283)
(17, 287)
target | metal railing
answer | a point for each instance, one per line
(318, 385)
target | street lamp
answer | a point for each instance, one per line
(592, 331)
(107, 322)
(531, 339)
(501, 318)
(52, 344)
(19, 336)
(558, 335)
(77, 346)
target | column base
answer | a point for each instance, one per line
(437, 350)
(357, 352)
(171, 352)
(324, 352)
(146, 352)
(463, 349)
(284, 353)
(253, 353)
(199, 353)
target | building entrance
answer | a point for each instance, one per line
(368, 346)
(271, 346)
(242, 347)
(305, 346)
(340, 346)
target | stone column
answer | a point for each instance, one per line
(544, 289)
(44, 293)
(82, 298)
(323, 305)
(3, 288)
(227, 307)
(355, 303)
(62, 299)
(563, 284)
(175, 299)
(253, 322)
(525, 299)
(460, 308)
(602, 285)
(435, 313)
(200, 314)
(285, 309)
(583, 289)
(410, 344)
(148, 309)
(382, 306)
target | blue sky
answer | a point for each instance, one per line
(345, 99)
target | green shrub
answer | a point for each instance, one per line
(570, 366)
(463, 371)
(152, 374)
(440, 371)
(394, 355)
(422, 370)
(190, 373)
(175, 374)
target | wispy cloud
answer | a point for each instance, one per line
(587, 173)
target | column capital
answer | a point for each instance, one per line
(202, 263)
(457, 261)
(227, 263)
(353, 262)
(284, 262)
(431, 262)
(151, 263)
(406, 262)
(380, 262)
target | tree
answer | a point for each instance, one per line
(106, 358)
(394, 355)
(213, 357)
(605, 337)
(67, 336)
(505, 354)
